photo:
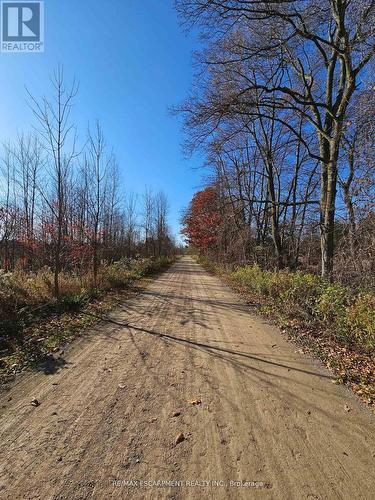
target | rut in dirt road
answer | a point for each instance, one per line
(185, 356)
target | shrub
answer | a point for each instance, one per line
(361, 320)
(117, 275)
(331, 302)
(254, 278)
(330, 306)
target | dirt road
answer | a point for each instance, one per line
(114, 402)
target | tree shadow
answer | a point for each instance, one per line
(220, 351)
(50, 364)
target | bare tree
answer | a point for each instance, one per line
(130, 223)
(161, 227)
(147, 216)
(97, 164)
(27, 158)
(7, 216)
(56, 130)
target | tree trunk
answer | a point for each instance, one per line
(327, 208)
(275, 219)
(57, 263)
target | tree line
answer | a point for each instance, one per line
(283, 108)
(62, 205)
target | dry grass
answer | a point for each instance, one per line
(27, 302)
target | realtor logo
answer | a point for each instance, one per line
(22, 26)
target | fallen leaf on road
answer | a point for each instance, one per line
(179, 438)
(195, 402)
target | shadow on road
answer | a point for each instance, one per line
(220, 352)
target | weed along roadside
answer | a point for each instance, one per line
(33, 324)
(333, 322)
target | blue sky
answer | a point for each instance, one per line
(132, 61)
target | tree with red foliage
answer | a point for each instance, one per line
(202, 220)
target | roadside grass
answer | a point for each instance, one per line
(33, 324)
(334, 322)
